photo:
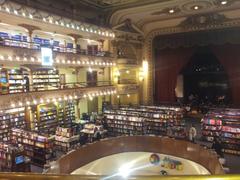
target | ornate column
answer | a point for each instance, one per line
(75, 37)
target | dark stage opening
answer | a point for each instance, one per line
(205, 80)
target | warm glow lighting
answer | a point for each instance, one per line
(196, 7)
(171, 11)
(90, 70)
(128, 95)
(224, 2)
(145, 67)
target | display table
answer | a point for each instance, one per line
(92, 130)
(65, 144)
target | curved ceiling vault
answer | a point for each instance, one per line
(172, 13)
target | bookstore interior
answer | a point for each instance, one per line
(135, 92)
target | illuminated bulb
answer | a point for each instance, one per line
(171, 11)
(91, 30)
(113, 35)
(34, 101)
(18, 58)
(224, 2)
(1, 57)
(82, 29)
(96, 63)
(195, 7)
(84, 95)
(68, 62)
(87, 62)
(97, 94)
(28, 103)
(23, 13)
(111, 64)
(107, 64)
(56, 22)
(87, 29)
(109, 92)
(91, 62)
(90, 98)
(79, 62)
(54, 100)
(114, 64)
(128, 95)
(90, 70)
(41, 101)
(67, 25)
(74, 62)
(32, 59)
(24, 59)
(95, 32)
(93, 95)
(101, 93)
(99, 32)
(48, 100)
(15, 12)
(127, 71)
(70, 97)
(77, 27)
(59, 99)
(118, 96)
(29, 107)
(103, 33)
(104, 93)
(63, 61)
(10, 58)
(104, 63)
(30, 16)
(62, 23)
(75, 97)
(100, 63)
(65, 98)
(50, 20)
(73, 26)
(13, 105)
(20, 104)
(44, 19)
(83, 62)
(57, 61)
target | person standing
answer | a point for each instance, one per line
(217, 146)
(192, 134)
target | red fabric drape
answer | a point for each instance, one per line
(229, 56)
(169, 63)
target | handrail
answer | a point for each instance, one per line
(26, 176)
(127, 81)
(163, 145)
(64, 86)
(36, 46)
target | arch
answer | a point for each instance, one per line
(162, 145)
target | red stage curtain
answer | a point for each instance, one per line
(168, 64)
(229, 56)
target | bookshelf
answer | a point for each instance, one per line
(146, 120)
(37, 147)
(223, 124)
(44, 79)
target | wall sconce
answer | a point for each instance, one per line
(145, 67)
(116, 75)
(141, 75)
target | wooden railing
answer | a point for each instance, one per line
(163, 145)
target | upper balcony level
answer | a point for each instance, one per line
(14, 13)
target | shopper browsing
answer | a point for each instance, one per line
(192, 134)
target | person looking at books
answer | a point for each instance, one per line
(192, 133)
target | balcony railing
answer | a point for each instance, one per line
(63, 86)
(36, 46)
(22, 176)
(127, 81)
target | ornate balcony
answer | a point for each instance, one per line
(29, 53)
(67, 91)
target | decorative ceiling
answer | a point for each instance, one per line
(118, 4)
(173, 13)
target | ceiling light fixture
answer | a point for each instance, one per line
(224, 2)
(171, 11)
(196, 7)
